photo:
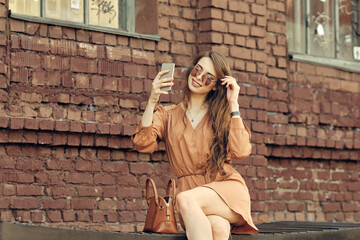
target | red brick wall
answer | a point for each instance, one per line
(70, 99)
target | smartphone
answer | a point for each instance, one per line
(170, 74)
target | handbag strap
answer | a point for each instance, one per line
(148, 181)
(171, 185)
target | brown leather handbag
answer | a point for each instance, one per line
(160, 217)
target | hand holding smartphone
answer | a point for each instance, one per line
(170, 74)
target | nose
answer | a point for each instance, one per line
(201, 76)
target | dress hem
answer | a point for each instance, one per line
(246, 228)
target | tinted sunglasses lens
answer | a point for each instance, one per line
(208, 80)
(205, 80)
(194, 72)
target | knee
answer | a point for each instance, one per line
(220, 231)
(183, 202)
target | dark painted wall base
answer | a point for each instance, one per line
(15, 231)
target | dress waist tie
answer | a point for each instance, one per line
(192, 174)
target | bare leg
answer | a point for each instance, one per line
(196, 224)
(220, 227)
(196, 204)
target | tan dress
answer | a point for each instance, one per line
(188, 149)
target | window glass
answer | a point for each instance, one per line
(348, 25)
(27, 7)
(321, 29)
(295, 25)
(104, 13)
(66, 10)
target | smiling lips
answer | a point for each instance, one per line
(196, 84)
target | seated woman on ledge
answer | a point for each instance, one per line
(202, 134)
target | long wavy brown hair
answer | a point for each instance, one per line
(219, 110)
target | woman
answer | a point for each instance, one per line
(202, 134)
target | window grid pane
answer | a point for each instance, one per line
(65, 10)
(104, 13)
(345, 41)
(295, 25)
(26, 7)
(321, 29)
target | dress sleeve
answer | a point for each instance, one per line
(239, 145)
(146, 139)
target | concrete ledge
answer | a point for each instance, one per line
(15, 231)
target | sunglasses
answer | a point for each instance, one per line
(206, 78)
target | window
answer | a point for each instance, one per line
(324, 28)
(105, 13)
(125, 17)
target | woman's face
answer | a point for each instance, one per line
(202, 79)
